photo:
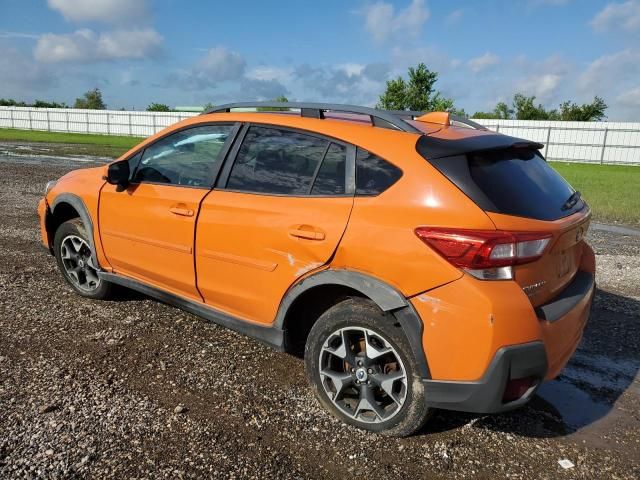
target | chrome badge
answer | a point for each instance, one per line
(532, 289)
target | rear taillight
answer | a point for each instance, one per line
(485, 254)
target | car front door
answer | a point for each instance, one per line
(147, 230)
(282, 205)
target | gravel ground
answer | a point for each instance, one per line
(134, 388)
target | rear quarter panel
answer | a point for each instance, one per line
(380, 238)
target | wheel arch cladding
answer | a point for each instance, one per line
(386, 297)
(60, 206)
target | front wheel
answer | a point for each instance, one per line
(73, 254)
(362, 369)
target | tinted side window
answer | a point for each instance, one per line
(373, 174)
(276, 161)
(189, 157)
(331, 176)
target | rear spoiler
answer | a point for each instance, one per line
(433, 147)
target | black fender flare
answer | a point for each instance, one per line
(78, 204)
(388, 298)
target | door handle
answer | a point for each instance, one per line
(184, 212)
(308, 233)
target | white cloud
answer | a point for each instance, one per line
(625, 15)
(85, 46)
(613, 70)
(20, 76)
(630, 97)
(455, 16)
(542, 86)
(107, 11)
(29, 36)
(219, 64)
(483, 62)
(382, 21)
(265, 73)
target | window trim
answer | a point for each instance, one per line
(349, 190)
(222, 155)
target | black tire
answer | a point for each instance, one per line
(74, 229)
(350, 315)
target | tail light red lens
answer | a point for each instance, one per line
(484, 249)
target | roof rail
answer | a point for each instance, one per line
(379, 118)
(465, 122)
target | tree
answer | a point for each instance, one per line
(207, 106)
(10, 102)
(158, 107)
(417, 93)
(395, 95)
(420, 89)
(45, 104)
(280, 98)
(524, 108)
(91, 100)
(587, 112)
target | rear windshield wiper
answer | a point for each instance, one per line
(572, 200)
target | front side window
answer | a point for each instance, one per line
(274, 161)
(188, 157)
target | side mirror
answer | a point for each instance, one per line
(118, 174)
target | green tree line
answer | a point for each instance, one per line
(417, 92)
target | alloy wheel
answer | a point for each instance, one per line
(78, 263)
(363, 375)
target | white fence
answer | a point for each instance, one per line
(105, 122)
(591, 142)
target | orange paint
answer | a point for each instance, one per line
(241, 252)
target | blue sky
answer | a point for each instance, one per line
(193, 52)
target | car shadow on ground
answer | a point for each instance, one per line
(602, 369)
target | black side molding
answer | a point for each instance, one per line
(78, 204)
(272, 336)
(581, 286)
(383, 295)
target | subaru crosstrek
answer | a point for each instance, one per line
(414, 261)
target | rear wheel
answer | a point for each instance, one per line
(362, 369)
(74, 257)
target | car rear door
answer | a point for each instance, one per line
(282, 205)
(147, 229)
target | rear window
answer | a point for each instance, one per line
(512, 181)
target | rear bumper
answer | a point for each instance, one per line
(563, 320)
(486, 395)
(554, 331)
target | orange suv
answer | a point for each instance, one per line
(415, 261)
